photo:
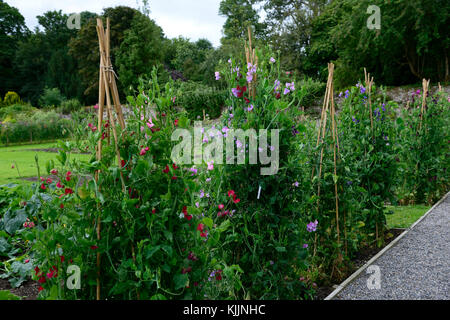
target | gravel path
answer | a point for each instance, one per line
(416, 268)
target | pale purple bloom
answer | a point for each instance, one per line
(250, 108)
(211, 165)
(347, 93)
(197, 204)
(312, 226)
(201, 194)
(286, 91)
(272, 60)
(217, 74)
(235, 92)
(277, 85)
(305, 246)
(295, 184)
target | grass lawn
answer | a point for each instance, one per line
(24, 160)
(405, 216)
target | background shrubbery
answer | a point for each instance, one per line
(195, 98)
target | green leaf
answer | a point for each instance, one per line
(6, 295)
(180, 281)
(280, 249)
(208, 222)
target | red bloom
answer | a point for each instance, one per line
(236, 200)
(186, 270)
(153, 210)
(61, 206)
(219, 275)
(174, 166)
(122, 163)
(174, 178)
(62, 258)
(42, 279)
(37, 270)
(94, 247)
(166, 170)
(59, 185)
(200, 227)
(68, 191)
(186, 215)
(230, 193)
(54, 172)
(40, 289)
(278, 95)
(220, 206)
(246, 100)
(176, 122)
(43, 187)
(240, 91)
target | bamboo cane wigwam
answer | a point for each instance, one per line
(328, 106)
(107, 86)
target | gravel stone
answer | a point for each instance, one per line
(416, 268)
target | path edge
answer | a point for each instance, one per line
(379, 254)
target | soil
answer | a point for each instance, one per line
(28, 290)
(361, 258)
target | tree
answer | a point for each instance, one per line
(290, 26)
(12, 30)
(240, 14)
(413, 41)
(140, 51)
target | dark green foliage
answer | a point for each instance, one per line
(51, 98)
(196, 98)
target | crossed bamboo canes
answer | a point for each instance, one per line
(107, 86)
(328, 107)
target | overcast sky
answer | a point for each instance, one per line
(193, 19)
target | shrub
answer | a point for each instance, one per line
(425, 154)
(70, 106)
(16, 109)
(51, 98)
(196, 98)
(11, 98)
(40, 126)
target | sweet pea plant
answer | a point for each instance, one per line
(425, 147)
(369, 149)
(269, 238)
(154, 240)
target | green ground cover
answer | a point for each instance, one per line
(405, 216)
(18, 162)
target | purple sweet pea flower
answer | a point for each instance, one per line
(312, 226)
